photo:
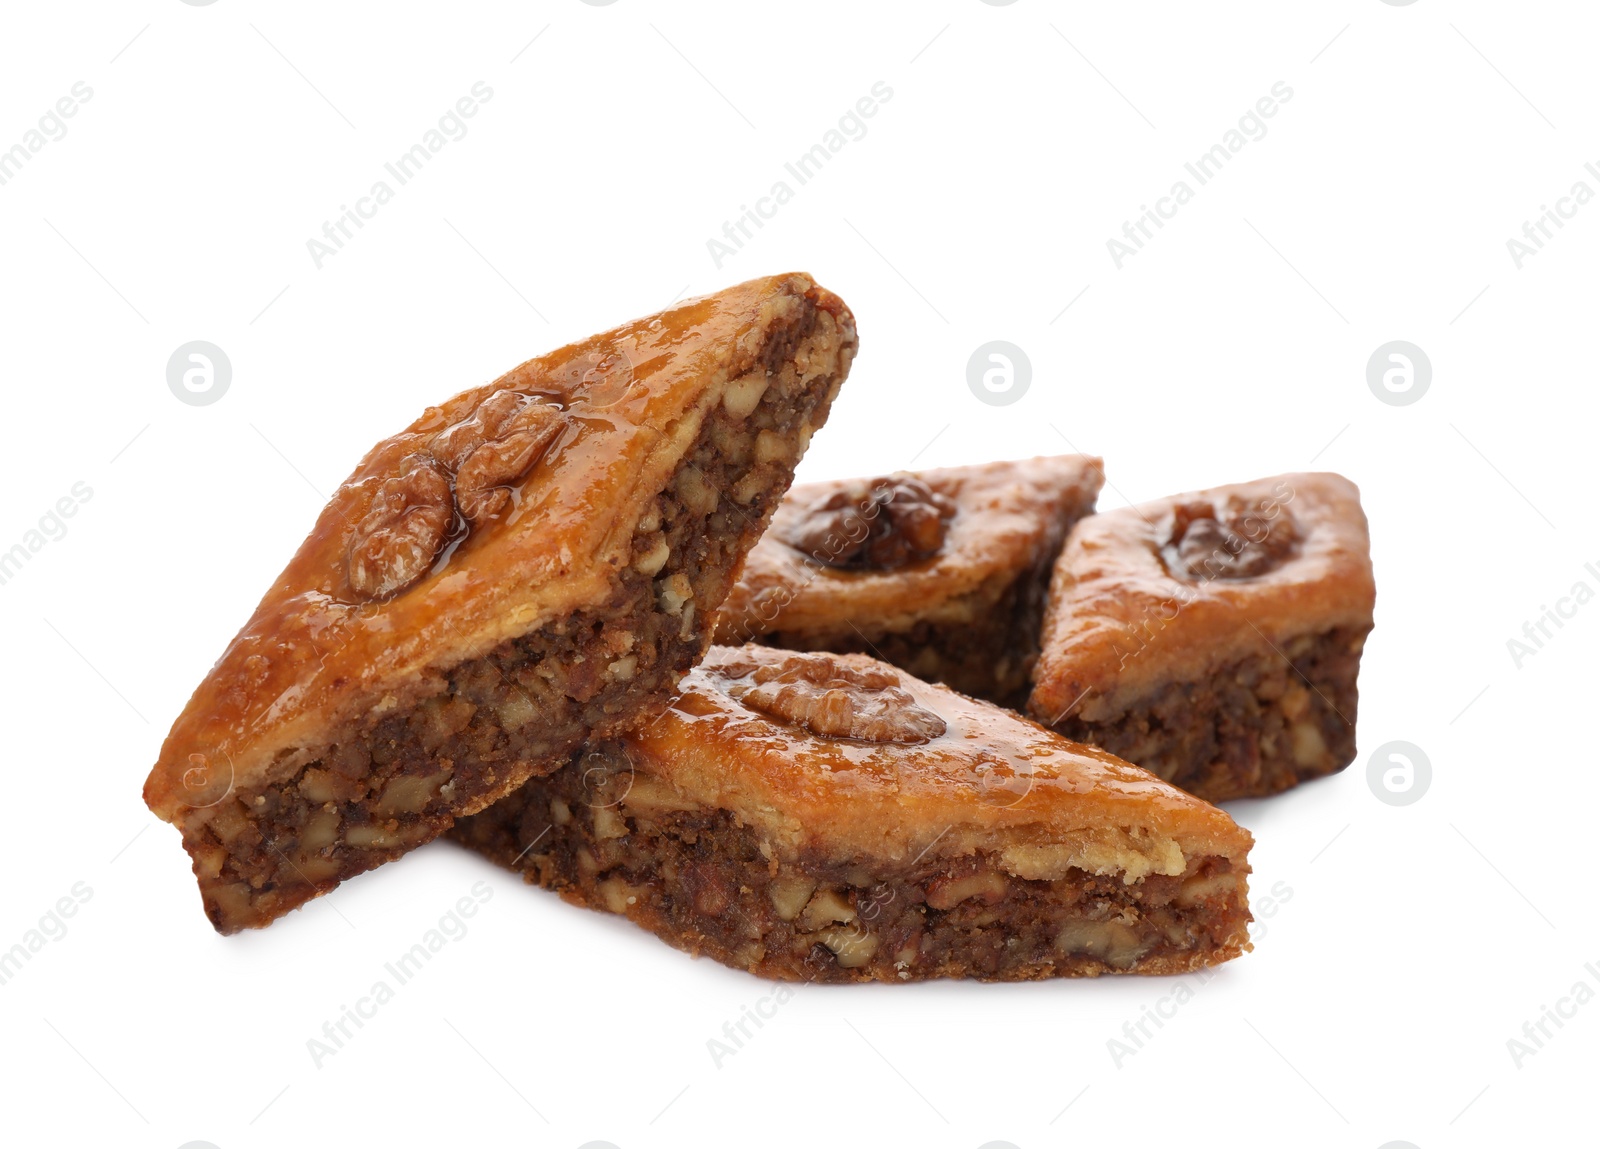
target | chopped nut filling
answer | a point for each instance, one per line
(708, 883)
(1256, 727)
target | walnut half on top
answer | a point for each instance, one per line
(941, 573)
(461, 481)
(1214, 637)
(1232, 539)
(829, 697)
(878, 524)
(396, 540)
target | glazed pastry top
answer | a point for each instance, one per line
(1180, 587)
(847, 756)
(501, 509)
(926, 546)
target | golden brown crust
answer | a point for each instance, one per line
(547, 496)
(897, 791)
(826, 817)
(1003, 513)
(1169, 591)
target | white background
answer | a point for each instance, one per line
(1416, 941)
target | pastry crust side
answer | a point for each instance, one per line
(1119, 625)
(993, 781)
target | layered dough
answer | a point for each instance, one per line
(817, 816)
(942, 572)
(1214, 638)
(532, 562)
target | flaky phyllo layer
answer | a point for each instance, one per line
(532, 564)
(825, 817)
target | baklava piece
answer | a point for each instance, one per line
(531, 563)
(827, 817)
(942, 573)
(1214, 638)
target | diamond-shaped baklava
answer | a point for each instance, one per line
(828, 817)
(1214, 638)
(531, 563)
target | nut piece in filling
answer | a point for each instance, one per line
(1214, 638)
(828, 817)
(530, 564)
(943, 572)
